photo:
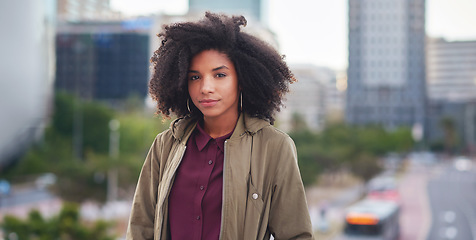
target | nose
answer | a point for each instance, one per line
(208, 85)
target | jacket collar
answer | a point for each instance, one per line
(182, 128)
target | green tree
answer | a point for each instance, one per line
(365, 166)
(340, 146)
(94, 118)
(401, 140)
(96, 127)
(86, 179)
(298, 123)
(66, 225)
(449, 130)
(62, 119)
(307, 156)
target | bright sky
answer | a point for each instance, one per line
(315, 31)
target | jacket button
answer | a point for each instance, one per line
(255, 196)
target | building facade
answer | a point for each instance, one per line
(451, 86)
(462, 118)
(103, 60)
(26, 73)
(386, 73)
(81, 10)
(253, 10)
(248, 8)
(307, 98)
(451, 70)
(336, 92)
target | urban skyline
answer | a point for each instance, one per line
(386, 74)
(326, 44)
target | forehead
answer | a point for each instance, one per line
(210, 58)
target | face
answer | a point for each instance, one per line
(213, 85)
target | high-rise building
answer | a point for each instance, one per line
(81, 10)
(253, 10)
(451, 70)
(336, 91)
(451, 83)
(248, 8)
(103, 60)
(26, 73)
(386, 73)
(461, 116)
(306, 98)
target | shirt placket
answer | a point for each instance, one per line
(202, 184)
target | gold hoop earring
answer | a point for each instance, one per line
(241, 101)
(188, 106)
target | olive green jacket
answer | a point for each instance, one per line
(262, 188)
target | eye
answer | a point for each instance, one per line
(194, 77)
(220, 75)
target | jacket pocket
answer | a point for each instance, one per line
(255, 198)
(253, 213)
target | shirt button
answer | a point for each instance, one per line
(198, 217)
(201, 187)
(210, 162)
(255, 196)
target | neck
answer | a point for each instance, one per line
(219, 127)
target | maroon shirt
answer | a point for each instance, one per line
(196, 196)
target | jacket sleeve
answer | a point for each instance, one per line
(141, 220)
(289, 215)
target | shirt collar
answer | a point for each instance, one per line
(202, 138)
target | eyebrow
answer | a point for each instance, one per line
(215, 69)
(221, 67)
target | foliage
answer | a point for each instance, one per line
(298, 123)
(365, 166)
(80, 181)
(96, 118)
(86, 177)
(42, 157)
(66, 225)
(340, 146)
(450, 136)
(86, 120)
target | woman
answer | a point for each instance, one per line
(221, 171)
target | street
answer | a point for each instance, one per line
(438, 201)
(21, 201)
(414, 215)
(452, 195)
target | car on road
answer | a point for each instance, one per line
(383, 188)
(372, 219)
(462, 163)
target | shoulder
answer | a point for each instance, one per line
(161, 141)
(165, 136)
(275, 135)
(178, 132)
(279, 144)
(265, 130)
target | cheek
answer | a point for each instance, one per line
(236, 88)
(233, 93)
(191, 88)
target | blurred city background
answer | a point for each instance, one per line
(383, 114)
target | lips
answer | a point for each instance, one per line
(208, 102)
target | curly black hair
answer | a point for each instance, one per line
(262, 73)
